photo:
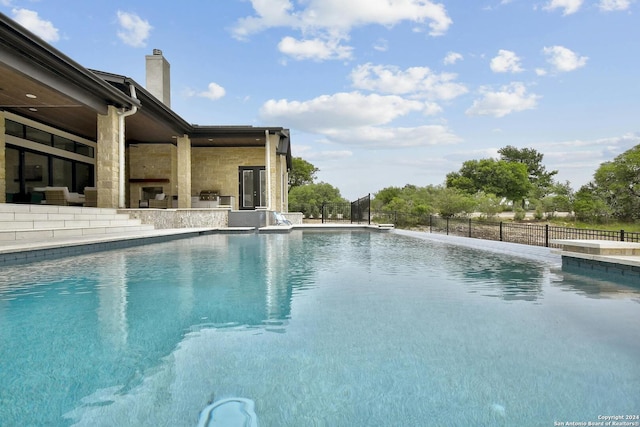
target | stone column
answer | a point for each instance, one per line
(3, 161)
(107, 159)
(184, 172)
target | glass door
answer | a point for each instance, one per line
(252, 187)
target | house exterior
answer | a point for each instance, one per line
(64, 125)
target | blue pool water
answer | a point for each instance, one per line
(317, 329)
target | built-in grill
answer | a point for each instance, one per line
(209, 195)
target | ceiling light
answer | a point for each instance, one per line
(30, 95)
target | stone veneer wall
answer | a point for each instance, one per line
(212, 168)
(107, 159)
(152, 162)
(180, 218)
(216, 168)
(296, 218)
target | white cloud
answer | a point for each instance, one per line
(452, 58)
(214, 91)
(358, 120)
(509, 99)
(270, 13)
(569, 6)
(563, 59)
(316, 49)
(338, 111)
(419, 81)
(134, 30)
(506, 62)
(614, 5)
(32, 22)
(541, 72)
(341, 15)
(394, 137)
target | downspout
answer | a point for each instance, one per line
(121, 148)
(268, 168)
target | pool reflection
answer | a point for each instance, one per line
(496, 275)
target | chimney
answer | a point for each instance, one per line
(159, 77)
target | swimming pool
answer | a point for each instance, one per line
(336, 329)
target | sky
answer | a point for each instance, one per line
(381, 93)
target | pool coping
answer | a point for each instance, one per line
(25, 251)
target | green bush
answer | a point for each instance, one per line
(519, 214)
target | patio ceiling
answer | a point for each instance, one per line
(49, 106)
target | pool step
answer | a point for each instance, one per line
(42, 222)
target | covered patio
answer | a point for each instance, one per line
(64, 125)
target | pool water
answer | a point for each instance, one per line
(317, 329)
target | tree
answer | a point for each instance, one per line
(560, 199)
(301, 173)
(590, 206)
(452, 202)
(385, 196)
(541, 180)
(499, 177)
(618, 183)
(415, 202)
(309, 198)
(538, 176)
(488, 205)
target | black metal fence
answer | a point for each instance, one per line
(525, 233)
(359, 212)
(504, 231)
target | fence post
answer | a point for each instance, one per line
(469, 227)
(501, 231)
(622, 235)
(369, 206)
(430, 223)
(546, 235)
(322, 214)
(447, 226)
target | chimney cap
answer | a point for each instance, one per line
(157, 52)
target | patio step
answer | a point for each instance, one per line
(42, 222)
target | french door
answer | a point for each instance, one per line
(253, 188)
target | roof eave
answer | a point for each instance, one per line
(30, 46)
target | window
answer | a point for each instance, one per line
(14, 128)
(63, 143)
(62, 173)
(37, 135)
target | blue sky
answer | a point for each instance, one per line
(381, 93)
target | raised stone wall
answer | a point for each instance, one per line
(296, 218)
(180, 218)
